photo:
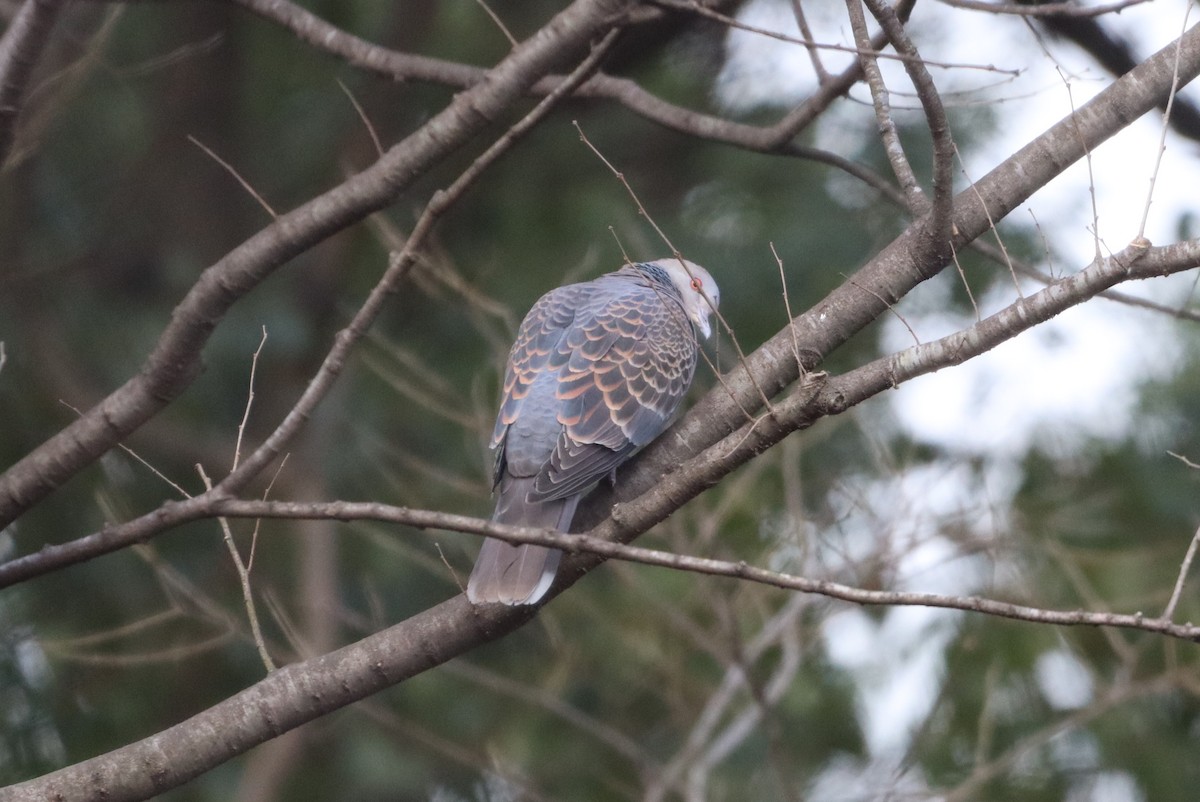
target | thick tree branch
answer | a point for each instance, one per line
(818, 396)
(299, 693)
(777, 138)
(22, 43)
(175, 360)
(702, 450)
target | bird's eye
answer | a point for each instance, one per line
(697, 284)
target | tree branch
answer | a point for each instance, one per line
(775, 138)
(1138, 261)
(596, 543)
(938, 229)
(22, 43)
(886, 126)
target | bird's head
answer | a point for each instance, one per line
(697, 289)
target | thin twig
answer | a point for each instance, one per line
(1166, 123)
(362, 115)
(244, 578)
(1185, 460)
(814, 54)
(962, 276)
(241, 429)
(891, 307)
(1087, 153)
(787, 305)
(243, 568)
(173, 484)
(265, 495)
(512, 40)
(1008, 262)
(1184, 568)
(863, 51)
(174, 654)
(238, 176)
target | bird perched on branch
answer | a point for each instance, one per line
(597, 371)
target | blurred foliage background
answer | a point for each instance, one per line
(639, 683)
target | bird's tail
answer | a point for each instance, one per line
(519, 574)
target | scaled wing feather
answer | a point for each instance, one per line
(596, 372)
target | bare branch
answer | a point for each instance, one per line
(1162, 136)
(675, 470)
(973, 785)
(246, 185)
(865, 49)
(365, 55)
(917, 204)
(280, 702)
(243, 573)
(806, 36)
(362, 115)
(1184, 568)
(20, 48)
(300, 692)
(512, 40)
(241, 429)
(936, 236)
(1139, 260)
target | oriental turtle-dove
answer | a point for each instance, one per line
(597, 371)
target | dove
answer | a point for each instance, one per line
(597, 371)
